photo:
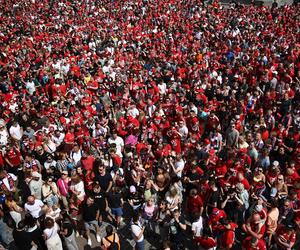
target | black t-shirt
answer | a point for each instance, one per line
(135, 197)
(100, 200)
(89, 212)
(104, 180)
(175, 230)
(22, 240)
(114, 200)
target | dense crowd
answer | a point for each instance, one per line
(183, 113)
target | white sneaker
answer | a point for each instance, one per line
(98, 238)
(89, 241)
(77, 234)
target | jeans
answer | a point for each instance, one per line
(140, 245)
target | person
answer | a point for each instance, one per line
(50, 192)
(63, 188)
(103, 178)
(111, 241)
(14, 209)
(90, 216)
(67, 231)
(177, 227)
(285, 237)
(34, 206)
(115, 202)
(197, 227)
(137, 229)
(51, 236)
(21, 237)
(253, 243)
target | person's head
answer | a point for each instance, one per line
(21, 225)
(49, 222)
(64, 174)
(75, 179)
(280, 178)
(109, 230)
(193, 192)
(31, 199)
(176, 213)
(287, 204)
(256, 219)
(96, 187)
(29, 220)
(167, 245)
(136, 217)
(90, 201)
(240, 187)
(49, 180)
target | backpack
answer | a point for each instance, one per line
(113, 245)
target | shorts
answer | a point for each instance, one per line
(117, 211)
(88, 225)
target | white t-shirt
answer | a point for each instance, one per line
(3, 137)
(119, 144)
(16, 132)
(79, 187)
(51, 232)
(34, 209)
(136, 230)
(197, 227)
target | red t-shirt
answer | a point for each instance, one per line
(14, 157)
(228, 236)
(87, 162)
(206, 243)
(194, 204)
(261, 245)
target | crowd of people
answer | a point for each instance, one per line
(176, 120)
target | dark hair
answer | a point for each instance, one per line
(21, 224)
(29, 220)
(49, 222)
(109, 230)
(135, 217)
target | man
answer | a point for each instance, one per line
(197, 227)
(252, 243)
(254, 227)
(137, 230)
(13, 159)
(90, 216)
(176, 228)
(104, 179)
(285, 237)
(22, 238)
(118, 141)
(232, 136)
(34, 206)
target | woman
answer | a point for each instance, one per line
(51, 236)
(149, 210)
(14, 210)
(77, 187)
(49, 146)
(173, 199)
(279, 189)
(111, 240)
(272, 221)
(50, 192)
(163, 217)
(68, 232)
